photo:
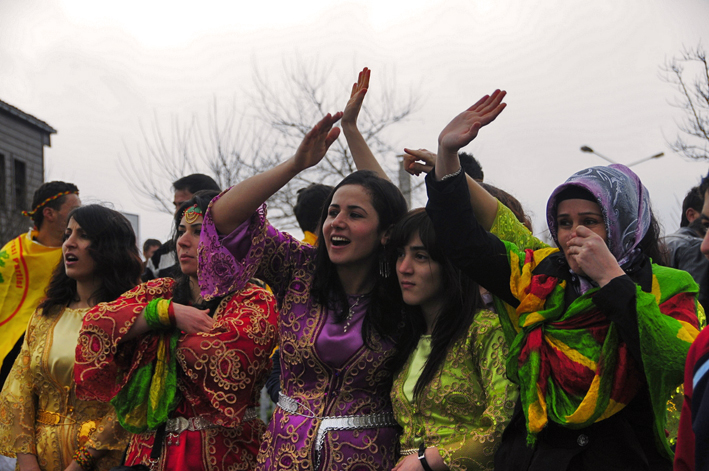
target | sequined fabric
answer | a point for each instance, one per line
(359, 386)
(39, 411)
(220, 374)
(464, 410)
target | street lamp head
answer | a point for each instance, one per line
(586, 149)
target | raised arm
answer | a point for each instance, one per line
(242, 200)
(362, 155)
(463, 129)
(484, 204)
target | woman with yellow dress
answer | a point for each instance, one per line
(41, 420)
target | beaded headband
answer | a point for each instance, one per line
(192, 213)
(29, 214)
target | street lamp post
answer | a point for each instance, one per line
(591, 151)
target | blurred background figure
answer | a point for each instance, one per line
(149, 248)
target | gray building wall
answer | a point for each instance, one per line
(22, 141)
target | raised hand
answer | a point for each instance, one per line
(417, 161)
(588, 254)
(464, 127)
(315, 144)
(354, 105)
(191, 320)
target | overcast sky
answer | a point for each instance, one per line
(577, 73)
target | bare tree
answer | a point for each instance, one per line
(234, 145)
(215, 145)
(693, 85)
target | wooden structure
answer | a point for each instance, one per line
(22, 141)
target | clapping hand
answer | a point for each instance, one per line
(417, 161)
(464, 127)
(315, 144)
(354, 105)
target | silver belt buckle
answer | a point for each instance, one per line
(177, 425)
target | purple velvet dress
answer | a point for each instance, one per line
(328, 371)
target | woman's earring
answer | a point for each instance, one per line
(384, 269)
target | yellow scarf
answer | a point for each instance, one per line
(310, 238)
(25, 269)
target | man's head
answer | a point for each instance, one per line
(149, 248)
(309, 205)
(691, 206)
(51, 205)
(187, 186)
(471, 166)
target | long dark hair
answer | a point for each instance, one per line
(327, 290)
(461, 297)
(181, 293)
(652, 245)
(113, 248)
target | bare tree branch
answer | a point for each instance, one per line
(231, 144)
(693, 142)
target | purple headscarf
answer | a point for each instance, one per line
(624, 202)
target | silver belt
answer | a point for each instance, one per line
(177, 425)
(344, 422)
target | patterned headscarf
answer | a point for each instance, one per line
(624, 202)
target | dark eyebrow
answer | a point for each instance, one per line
(418, 247)
(580, 214)
(350, 207)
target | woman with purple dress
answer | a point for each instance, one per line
(336, 332)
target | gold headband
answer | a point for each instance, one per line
(192, 213)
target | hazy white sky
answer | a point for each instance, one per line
(577, 73)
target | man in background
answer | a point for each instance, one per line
(27, 263)
(684, 245)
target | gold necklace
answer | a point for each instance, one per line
(351, 311)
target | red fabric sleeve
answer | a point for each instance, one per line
(103, 365)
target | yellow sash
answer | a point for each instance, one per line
(25, 269)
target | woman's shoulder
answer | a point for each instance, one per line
(485, 323)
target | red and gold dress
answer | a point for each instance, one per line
(220, 374)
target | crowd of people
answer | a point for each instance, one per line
(440, 338)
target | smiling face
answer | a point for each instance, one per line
(78, 262)
(187, 242)
(351, 229)
(420, 277)
(572, 213)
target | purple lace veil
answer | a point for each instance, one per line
(624, 202)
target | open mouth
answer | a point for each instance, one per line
(70, 258)
(338, 241)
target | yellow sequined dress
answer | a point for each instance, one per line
(39, 412)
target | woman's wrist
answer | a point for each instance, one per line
(348, 126)
(447, 163)
(610, 276)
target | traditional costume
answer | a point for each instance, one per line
(464, 410)
(334, 410)
(210, 418)
(39, 411)
(25, 269)
(595, 365)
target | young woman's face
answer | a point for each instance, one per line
(78, 262)
(578, 212)
(187, 242)
(420, 277)
(350, 231)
